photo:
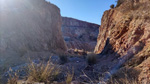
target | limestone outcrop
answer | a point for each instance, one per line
(28, 25)
(79, 34)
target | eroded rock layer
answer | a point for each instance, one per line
(79, 34)
(125, 31)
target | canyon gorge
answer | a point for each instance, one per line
(35, 30)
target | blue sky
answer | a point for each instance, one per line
(86, 10)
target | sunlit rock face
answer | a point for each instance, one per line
(79, 34)
(128, 29)
(124, 26)
(28, 25)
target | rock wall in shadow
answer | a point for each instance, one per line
(79, 34)
(28, 25)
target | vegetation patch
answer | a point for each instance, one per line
(91, 58)
(112, 6)
(125, 76)
(43, 73)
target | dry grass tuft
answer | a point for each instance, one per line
(124, 81)
(12, 78)
(69, 77)
(125, 76)
(42, 73)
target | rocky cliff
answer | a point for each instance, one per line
(79, 34)
(125, 34)
(28, 25)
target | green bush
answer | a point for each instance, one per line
(112, 6)
(91, 58)
(63, 58)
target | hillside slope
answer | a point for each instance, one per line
(125, 34)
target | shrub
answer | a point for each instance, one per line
(63, 56)
(42, 73)
(91, 58)
(125, 76)
(63, 59)
(112, 6)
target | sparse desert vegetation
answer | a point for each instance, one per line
(43, 72)
(91, 58)
(125, 76)
(13, 78)
(64, 50)
(112, 6)
(69, 77)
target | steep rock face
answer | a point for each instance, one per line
(125, 31)
(124, 26)
(79, 34)
(28, 25)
